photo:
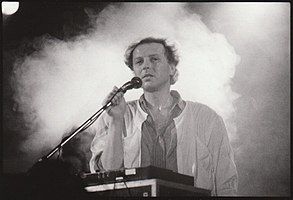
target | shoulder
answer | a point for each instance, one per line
(201, 110)
(203, 116)
(207, 121)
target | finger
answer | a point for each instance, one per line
(115, 89)
(118, 95)
(114, 99)
(113, 92)
(110, 95)
(118, 98)
(108, 109)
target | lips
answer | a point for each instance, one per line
(147, 76)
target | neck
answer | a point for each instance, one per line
(158, 98)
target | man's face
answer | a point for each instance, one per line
(151, 65)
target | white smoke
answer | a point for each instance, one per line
(64, 83)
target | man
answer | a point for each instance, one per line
(161, 129)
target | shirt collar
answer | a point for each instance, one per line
(177, 101)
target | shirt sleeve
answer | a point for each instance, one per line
(98, 144)
(225, 173)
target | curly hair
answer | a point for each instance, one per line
(170, 53)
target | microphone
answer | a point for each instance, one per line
(134, 83)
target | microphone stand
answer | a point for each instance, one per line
(134, 83)
(83, 127)
(41, 174)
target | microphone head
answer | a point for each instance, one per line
(137, 83)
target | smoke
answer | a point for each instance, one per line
(261, 34)
(63, 83)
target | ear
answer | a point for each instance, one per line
(172, 69)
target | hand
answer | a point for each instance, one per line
(118, 108)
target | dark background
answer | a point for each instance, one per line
(262, 111)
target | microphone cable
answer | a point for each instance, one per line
(128, 189)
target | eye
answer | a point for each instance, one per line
(155, 59)
(138, 62)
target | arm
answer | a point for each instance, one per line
(112, 156)
(225, 174)
(107, 147)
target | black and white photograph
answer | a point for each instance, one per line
(145, 99)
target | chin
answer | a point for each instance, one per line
(148, 87)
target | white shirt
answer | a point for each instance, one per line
(203, 148)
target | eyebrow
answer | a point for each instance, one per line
(154, 55)
(148, 55)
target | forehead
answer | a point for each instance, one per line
(148, 49)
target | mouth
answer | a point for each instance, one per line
(147, 76)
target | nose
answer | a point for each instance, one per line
(146, 64)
